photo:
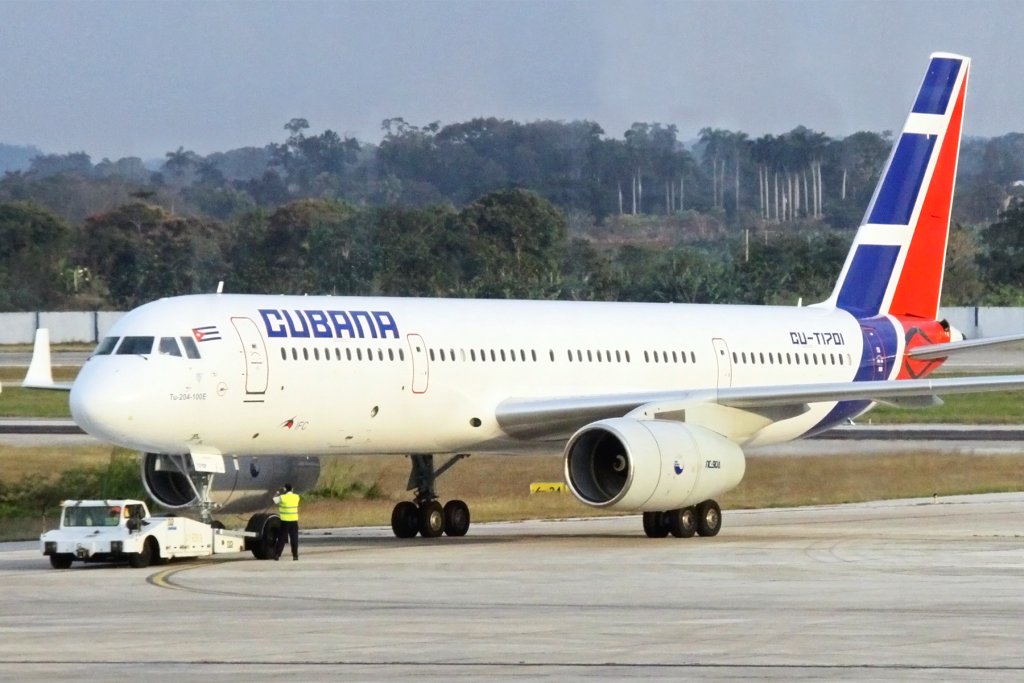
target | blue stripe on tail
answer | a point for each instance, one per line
(937, 88)
(867, 279)
(897, 196)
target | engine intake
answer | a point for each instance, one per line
(626, 464)
(247, 484)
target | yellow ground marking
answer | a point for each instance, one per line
(548, 488)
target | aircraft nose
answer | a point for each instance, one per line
(98, 405)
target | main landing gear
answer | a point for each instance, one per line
(425, 515)
(704, 519)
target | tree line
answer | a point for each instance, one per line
(486, 208)
(506, 244)
(799, 177)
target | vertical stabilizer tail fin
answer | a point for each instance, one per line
(898, 256)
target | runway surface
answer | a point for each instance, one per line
(893, 591)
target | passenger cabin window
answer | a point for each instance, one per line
(169, 347)
(106, 347)
(130, 346)
(284, 354)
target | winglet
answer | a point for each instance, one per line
(39, 375)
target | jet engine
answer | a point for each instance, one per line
(627, 464)
(246, 485)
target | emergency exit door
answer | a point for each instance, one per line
(724, 363)
(420, 366)
(255, 352)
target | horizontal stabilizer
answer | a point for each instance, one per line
(933, 351)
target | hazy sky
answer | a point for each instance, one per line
(143, 77)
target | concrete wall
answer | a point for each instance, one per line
(64, 326)
(17, 328)
(979, 321)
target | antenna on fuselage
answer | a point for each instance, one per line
(220, 287)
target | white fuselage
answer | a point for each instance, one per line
(426, 375)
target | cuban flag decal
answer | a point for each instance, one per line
(208, 333)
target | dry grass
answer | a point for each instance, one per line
(19, 461)
(783, 482)
(497, 488)
(63, 346)
(61, 373)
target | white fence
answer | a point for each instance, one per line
(64, 326)
(91, 326)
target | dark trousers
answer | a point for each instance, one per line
(289, 531)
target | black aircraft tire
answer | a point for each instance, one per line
(682, 523)
(654, 525)
(709, 518)
(61, 560)
(431, 519)
(405, 520)
(456, 518)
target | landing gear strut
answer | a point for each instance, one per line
(202, 486)
(704, 519)
(425, 515)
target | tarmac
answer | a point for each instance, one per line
(909, 590)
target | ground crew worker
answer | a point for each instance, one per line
(288, 509)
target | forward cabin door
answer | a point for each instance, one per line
(255, 352)
(724, 363)
(420, 366)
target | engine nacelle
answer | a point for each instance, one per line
(247, 484)
(627, 464)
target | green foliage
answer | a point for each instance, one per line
(144, 252)
(21, 402)
(336, 483)
(1003, 261)
(32, 260)
(35, 494)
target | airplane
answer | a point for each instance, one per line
(651, 405)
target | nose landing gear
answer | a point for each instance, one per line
(425, 515)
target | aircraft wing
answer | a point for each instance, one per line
(540, 418)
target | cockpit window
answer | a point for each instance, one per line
(106, 346)
(169, 347)
(191, 350)
(135, 345)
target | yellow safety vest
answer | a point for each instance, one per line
(288, 508)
